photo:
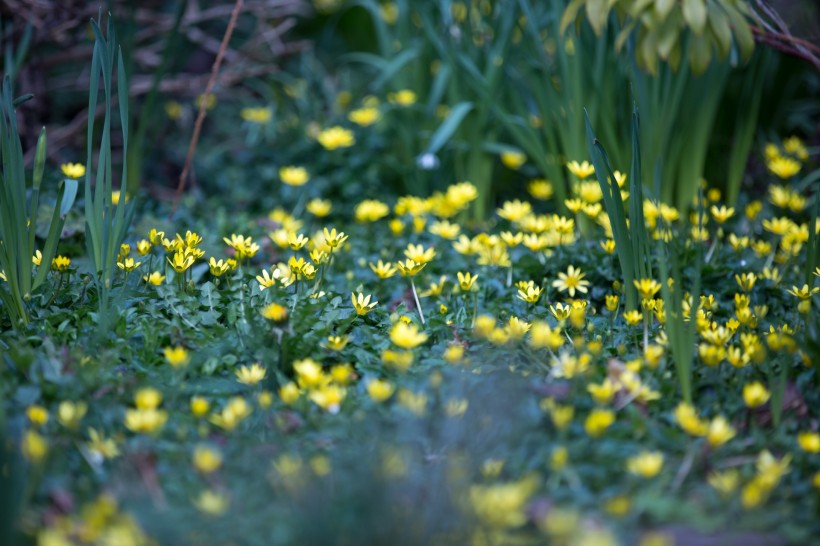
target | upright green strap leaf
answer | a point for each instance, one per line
(448, 127)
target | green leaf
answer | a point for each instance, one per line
(570, 14)
(448, 127)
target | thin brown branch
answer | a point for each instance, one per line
(203, 104)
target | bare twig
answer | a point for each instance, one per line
(203, 104)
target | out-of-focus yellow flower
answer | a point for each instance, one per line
(380, 390)
(73, 170)
(294, 176)
(259, 114)
(405, 97)
(251, 375)
(407, 336)
(364, 117)
(206, 459)
(646, 464)
(581, 170)
(513, 159)
(336, 137)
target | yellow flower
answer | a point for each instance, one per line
(69, 414)
(60, 263)
(128, 264)
(540, 189)
(199, 406)
(503, 505)
(380, 390)
(466, 281)
(688, 419)
(234, 412)
(755, 394)
(207, 460)
(294, 176)
(371, 210)
(383, 270)
(336, 137)
(73, 170)
(37, 415)
(289, 393)
(405, 97)
(329, 397)
(719, 432)
(514, 211)
(603, 392)
(362, 303)
(177, 357)
(513, 159)
(647, 288)
(336, 343)
(145, 421)
(154, 278)
(251, 375)
(364, 117)
(218, 267)
(581, 170)
(809, 442)
(407, 336)
(571, 281)
(633, 317)
(419, 254)
(212, 503)
(646, 464)
(725, 482)
(445, 229)
(529, 292)
(181, 262)
(275, 312)
(598, 421)
(783, 167)
(260, 114)
(722, 213)
(319, 207)
(409, 268)
(100, 446)
(34, 446)
(804, 293)
(454, 353)
(334, 239)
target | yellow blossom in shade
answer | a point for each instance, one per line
(560, 311)
(719, 432)
(234, 412)
(543, 336)
(581, 170)
(407, 336)
(206, 459)
(265, 280)
(73, 170)
(218, 267)
(513, 159)
(466, 281)
(380, 390)
(646, 464)
(181, 262)
(454, 353)
(371, 210)
(415, 403)
(334, 238)
(145, 421)
(362, 303)
(177, 357)
(755, 394)
(722, 213)
(405, 97)
(409, 268)
(633, 317)
(128, 264)
(264, 399)
(419, 254)
(783, 167)
(294, 176)
(336, 343)
(319, 207)
(445, 229)
(514, 211)
(397, 360)
(329, 397)
(336, 137)
(746, 281)
(143, 247)
(503, 505)
(364, 117)
(804, 293)
(725, 482)
(688, 419)
(571, 281)
(289, 393)
(251, 375)
(199, 406)
(258, 114)
(529, 292)
(212, 503)
(598, 421)
(540, 189)
(809, 441)
(383, 270)
(37, 415)
(647, 288)
(100, 446)
(275, 312)
(34, 446)
(602, 393)
(296, 241)
(155, 278)
(60, 263)
(69, 414)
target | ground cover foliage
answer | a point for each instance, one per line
(300, 355)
